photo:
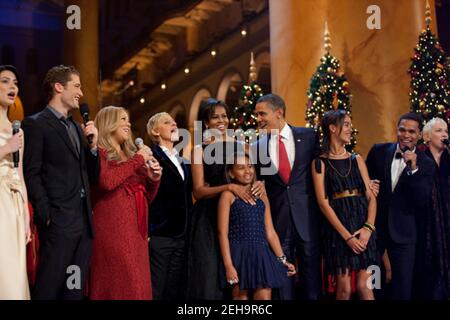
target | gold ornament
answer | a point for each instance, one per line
(422, 104)
(345, 84)
(330, 70)
(440, 108)
(322, 89)
(438, 71)
(335, 101)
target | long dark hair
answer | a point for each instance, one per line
(207, 108)
(7, 67)
(335, 117)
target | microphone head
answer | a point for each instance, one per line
(446, 142)
(16, 125)
(405, 148)
(138, 142)
(84, 110)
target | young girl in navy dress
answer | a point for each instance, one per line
(245, 234)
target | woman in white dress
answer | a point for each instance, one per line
(14, 214)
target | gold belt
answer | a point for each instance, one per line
(346, 194)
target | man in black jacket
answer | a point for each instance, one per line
(284, 158)
(58, 165)
(405, 176)
(169, 212)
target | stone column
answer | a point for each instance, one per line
(81, 49)
(374, 61)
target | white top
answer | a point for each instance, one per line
(172, 155)
(288, 139)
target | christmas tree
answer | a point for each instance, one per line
(430, 75)
(329, 89)
(244, 119)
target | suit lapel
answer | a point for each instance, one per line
(388, 164)
(61, 130)
(169, 162)
(298, 141)
(270, 166)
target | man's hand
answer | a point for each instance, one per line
(90, 129)
(410, 156)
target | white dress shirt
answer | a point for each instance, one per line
(397, 167)
(288, 139)
(172, 155)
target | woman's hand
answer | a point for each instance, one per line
(146, 153)
(258, 189)
(356, 245)
(27, 234)
(232, 276)
(291, 269)
(154, 170)
(374, 186)
(363, 235)
(242, 192)
(14, 143)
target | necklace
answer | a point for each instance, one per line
(337, 171)
(339, 155)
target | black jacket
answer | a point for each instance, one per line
(398, 210)
(296, 200)
(55, 173)
(170, 211)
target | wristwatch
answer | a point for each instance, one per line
(282, 259)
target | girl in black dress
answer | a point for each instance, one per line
(208, 176)
(341, 182)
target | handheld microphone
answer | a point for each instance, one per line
(140, 144)
(15, 130)
(408, 163)
(446, 142)
(84, 111)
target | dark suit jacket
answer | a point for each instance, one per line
(398, 210)
(296, 200)
(170, 211)
(55, 173)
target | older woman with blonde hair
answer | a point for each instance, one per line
(128, 181)
(433, 245)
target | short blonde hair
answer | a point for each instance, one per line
(430, 124)
(152, 123)
(107, 122)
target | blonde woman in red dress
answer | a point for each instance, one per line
(128, 182)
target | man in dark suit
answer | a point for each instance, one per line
(170, 211)
(284, 159)
(58, 163)
(405, 176)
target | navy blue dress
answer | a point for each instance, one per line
(254, 261)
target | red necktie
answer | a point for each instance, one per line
(284, 167)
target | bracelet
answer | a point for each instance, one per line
(370, 226)
(368, 229)
(282, 259)
(349, 239)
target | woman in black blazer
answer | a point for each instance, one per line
(169, 212)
